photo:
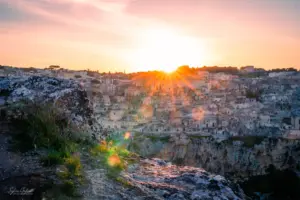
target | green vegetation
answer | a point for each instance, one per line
(290, 69)
(253, 94)
(69, 189)
(163, 139)
(134, 146)
(124, 182)
(4, 93)
(95, 81)
(249, 141)
(199, 136)
(52, 67)
(113, 153)
(29, 69)
(253, 74)
(53, 158)
(73, 165)
(92, 73)
(44, 127)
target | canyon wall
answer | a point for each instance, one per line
(231, 157)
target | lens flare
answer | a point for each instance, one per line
(126, 135)
(114, 160)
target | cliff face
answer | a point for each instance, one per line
(67, 95)
(229, 157)
(148, 179)
(157, 179)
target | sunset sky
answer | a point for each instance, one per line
(139, 35)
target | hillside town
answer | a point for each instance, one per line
(251, 102)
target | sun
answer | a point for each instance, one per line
(166, 49)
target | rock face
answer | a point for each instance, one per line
(174, 182)
(231, 157)
(157, 179)
(68, 95)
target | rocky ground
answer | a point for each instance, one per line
(157, 179)
(146, 179)
(182, 182)
(20, 170)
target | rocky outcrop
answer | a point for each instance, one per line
(229, 157)
(67, 95)
(151, 178)
(157, 179)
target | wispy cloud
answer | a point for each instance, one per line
(95, 27)
(111, 28)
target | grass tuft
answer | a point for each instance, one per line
(69, 188)
(114, 155)
(45, 127)
(73, 164)
(248, 141)
(53, 158)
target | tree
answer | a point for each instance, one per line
(52, 67)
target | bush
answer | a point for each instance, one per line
(249, 141)
(114, 154)
(73, 165)
(163, 139)
(69, 189)
(30, 69)
(254, 94)
(95, 81)
(4, 93)
(43, 126)
(53, 158)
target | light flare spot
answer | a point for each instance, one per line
(147, 111)
(114, 160)
(127, 135)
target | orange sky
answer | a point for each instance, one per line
(135, 35)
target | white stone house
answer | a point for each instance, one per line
(106, 100)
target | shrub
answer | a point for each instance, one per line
(30, 69)
(254, 94)
(73, 165)
(43, 126)
(249, 141)
(4, 93)
(163, 139)
(53, 158)
(95, 81)
(199, 136)
(69, 188)
(124, 182)
(114, 154)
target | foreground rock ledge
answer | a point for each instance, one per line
(157, 179)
